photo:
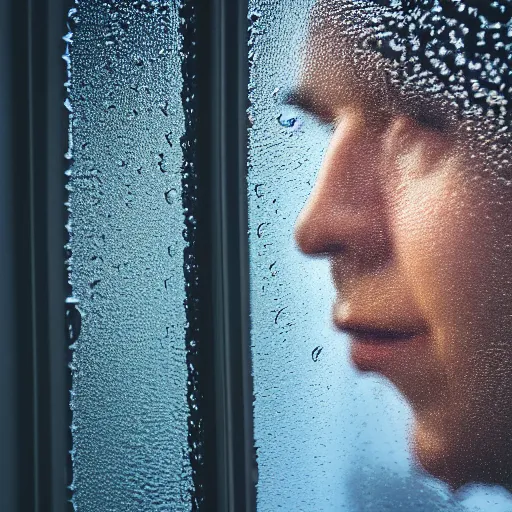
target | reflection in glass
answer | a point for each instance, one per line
(127, 319)
(402, 157)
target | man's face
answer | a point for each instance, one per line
(419, 236)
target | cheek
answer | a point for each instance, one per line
(453, 245)
(452, 232)
(435, 243)
(453, 241)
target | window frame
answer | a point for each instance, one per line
(229, 79)
(36, 394)
(35, 385)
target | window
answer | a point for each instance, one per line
(128, 243)
(257, 255)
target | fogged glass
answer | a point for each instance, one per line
(379, 144)
(126, 222)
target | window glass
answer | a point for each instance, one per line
(127, 241)
(378, 143)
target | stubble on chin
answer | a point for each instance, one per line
(436, 453)
(460, 456)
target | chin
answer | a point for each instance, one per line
(439, 464)
(433, 455)
(459, 460)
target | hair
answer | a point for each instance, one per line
(458, 51)
(464, 48)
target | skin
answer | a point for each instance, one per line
(418, 231)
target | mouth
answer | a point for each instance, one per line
(377, 347)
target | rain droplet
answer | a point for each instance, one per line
(170, 195)
(316, 353)
(73, 320)
(286, 122)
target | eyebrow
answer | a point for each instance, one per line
(426, 113)
(305, 101)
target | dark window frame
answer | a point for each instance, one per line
(35, 384)
(33, 166)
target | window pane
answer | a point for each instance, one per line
(337, 413)
(126, 226)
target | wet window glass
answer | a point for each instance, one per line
(379, 228)
(129, 233)
(379, 198)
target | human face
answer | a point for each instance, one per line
(418, 232)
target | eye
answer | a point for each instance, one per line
(434, 116)
(430, 120)
(417, 148)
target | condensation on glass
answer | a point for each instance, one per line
(126, 313)
(328, 437)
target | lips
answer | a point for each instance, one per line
(379, 347)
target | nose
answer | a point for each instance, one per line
(346, 213)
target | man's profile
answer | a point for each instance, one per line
(413, 208)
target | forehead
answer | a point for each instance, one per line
(339, 68)
(335, 69)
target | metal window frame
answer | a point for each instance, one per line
(36, 387)
(228, 81)
(222, 136)
(35, 380)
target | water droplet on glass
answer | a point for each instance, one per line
(73, 321)
(170, 195)
(286, 122)
(316, 353)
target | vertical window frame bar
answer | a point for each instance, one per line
(227, 38)
(8, 388)
(38, 123)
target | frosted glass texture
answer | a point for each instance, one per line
(126, 224)
(328, 436)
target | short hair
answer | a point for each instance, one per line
(461, 49)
